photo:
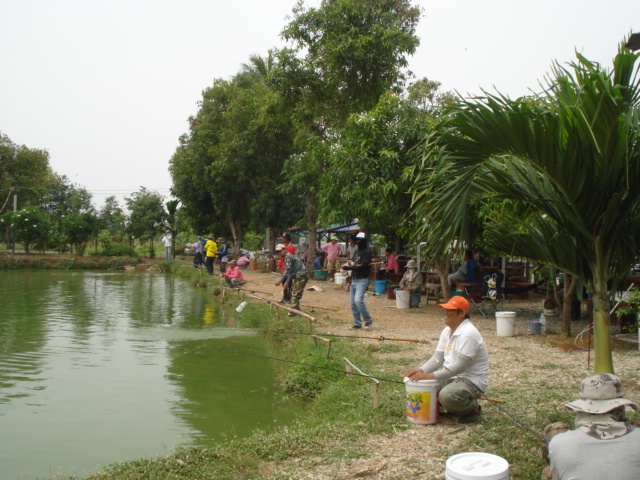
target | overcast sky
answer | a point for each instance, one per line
(107, 86)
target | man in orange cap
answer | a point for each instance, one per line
(460, 363)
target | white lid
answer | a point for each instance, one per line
(477, 465)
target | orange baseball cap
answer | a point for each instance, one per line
(456, 303)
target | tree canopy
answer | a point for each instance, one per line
(570, 155)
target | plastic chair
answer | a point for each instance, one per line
(492, 294)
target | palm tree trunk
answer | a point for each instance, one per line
(601, 322)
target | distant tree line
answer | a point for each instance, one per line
(51, 213)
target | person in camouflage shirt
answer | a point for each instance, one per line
(295, 277)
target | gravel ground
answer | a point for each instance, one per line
(520, 359)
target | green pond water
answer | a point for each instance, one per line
(100, 367)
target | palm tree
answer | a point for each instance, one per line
(259, 65)
(572, 155)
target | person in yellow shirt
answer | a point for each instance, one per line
(211, 249)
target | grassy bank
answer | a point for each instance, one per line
(10, 261)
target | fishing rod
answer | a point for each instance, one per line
(480, 394)
(380, 338)
(308, 365)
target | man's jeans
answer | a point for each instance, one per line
(167, 253)
(358, 308)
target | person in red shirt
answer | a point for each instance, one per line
(288, 246)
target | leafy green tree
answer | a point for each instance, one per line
(344, 56)
(24, 169)
(146, 216)
(232, 158)
(113, 219)
(384, 141)
(29, 226)
(572, 156)
(347, 53)
(78, 229)
(64, 197)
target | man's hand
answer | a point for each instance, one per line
(417, 374)
(278, 283)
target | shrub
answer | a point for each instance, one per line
(116, 249)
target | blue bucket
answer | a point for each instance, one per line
(381, 286)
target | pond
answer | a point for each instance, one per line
(99, 367)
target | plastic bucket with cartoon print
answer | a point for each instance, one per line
(506, 324)
(422, 401)
(476, 466)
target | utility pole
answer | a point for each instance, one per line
(15, 209)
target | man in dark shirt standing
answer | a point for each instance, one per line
(360, 268)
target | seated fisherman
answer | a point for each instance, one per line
(466, 272)
(412, 282)
(233, 275)
(460, 362)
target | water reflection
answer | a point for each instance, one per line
(97, 367)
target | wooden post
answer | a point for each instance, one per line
(376, 387)
(328, 342)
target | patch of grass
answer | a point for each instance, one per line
(10, 263)
(66, 264)
(39, 264)
(552, 366)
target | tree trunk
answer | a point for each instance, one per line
(312, 220)
(313, 236)
(270, 240)
(443, 267)
(236, 231)
(601, 324)
(570, 284)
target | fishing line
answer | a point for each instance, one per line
(307, 365)
(380, 338)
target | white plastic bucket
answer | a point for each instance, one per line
(476, 466)
(403, 299)
(340, 278)
(506, 324)
(422, 401)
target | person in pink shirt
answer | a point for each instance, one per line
(243, 261)
(233, 275)
(390, 267)
(333, 251)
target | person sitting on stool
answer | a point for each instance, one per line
(411, 282)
